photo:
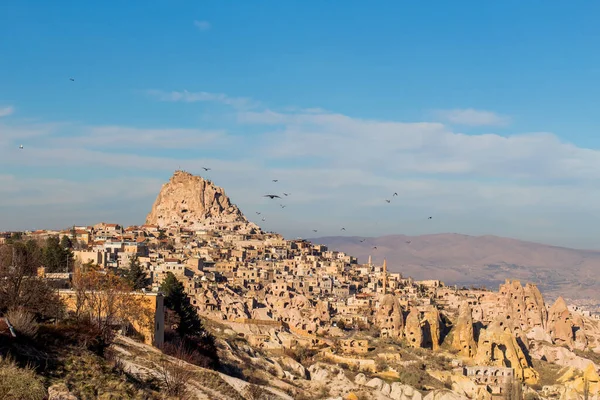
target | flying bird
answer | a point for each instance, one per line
(72, 79)
(408, 241)
(264, 219)
(395, 194)
(257, 213)
(206, 169)
(286, 194)
(21, 147)
(387, 200)
(343, 229)
(275, 180)
(375, 247)
(271, 196)
(362, 240)
(314, 230)
(282, 206)
(430, 218)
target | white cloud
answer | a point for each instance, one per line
(338, 170)
(6, 111)
(131, 137)
(192, 97)
(472, 117)
(202, 25)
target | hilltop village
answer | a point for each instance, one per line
(280, 295)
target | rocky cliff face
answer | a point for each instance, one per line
(413, 330)
(192, 202)
(525, 304)
(463, 335)
(498, 346)
(389, 317)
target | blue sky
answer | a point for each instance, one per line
(482, 114)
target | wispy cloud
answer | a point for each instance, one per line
(192, 97)
(6, 111)
(472, 117)
(202, 25)
(339, 169)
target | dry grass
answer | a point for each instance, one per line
(255, 392)
(19, 383)
(213, 381)
(549, 373)
(89, 376)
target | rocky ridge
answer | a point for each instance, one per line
(192, 202)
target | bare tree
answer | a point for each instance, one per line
(175, 375)
(106, 300)
(20, 286)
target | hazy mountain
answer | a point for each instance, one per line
(480, 260)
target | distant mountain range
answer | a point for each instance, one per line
(480, 260)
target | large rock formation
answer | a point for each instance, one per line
(463, 335)
(413, 330)
(389, 317)
(192, 202)
(560, 325)
(498, 346)
(525, 304)
(432, 328)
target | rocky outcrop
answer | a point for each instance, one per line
(560, 325)
(525, 304)
(413, 330)
(463, 334)
(560, 356)
(498, 346)
(192, 202)
(60, 391)
(442, 394)
(322, 311)
(395, 391)
(389, 317)
(432, 328)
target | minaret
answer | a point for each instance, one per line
(384, 276)
(369, 260)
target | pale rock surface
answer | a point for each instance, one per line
(498, 346)
(332, 377)
(463, 335)
(375, 383)
(460, 384)
(432, 326)
(389, 317)
(560, 356)
(297, 368)
(442, 394)
(413, 330)
(539, 334)
(322, 311)
(560, 325)
(360, 379)
(526, 304)
(60, 391)
(404, 392)
(193, 202)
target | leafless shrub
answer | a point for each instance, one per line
(174, 377)
(23, 321)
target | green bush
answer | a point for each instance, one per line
(19, 383)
